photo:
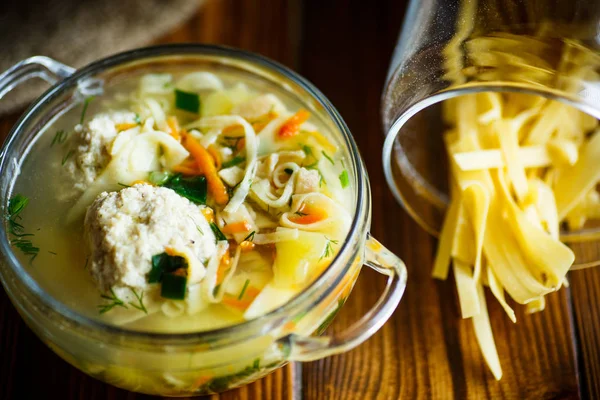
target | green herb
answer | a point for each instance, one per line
(328, 248)
(330, 317)
(123, 185)
(137, 119)
(173, 286)
(87, 260)
(59, 138)
(140, 299)
(158, 178)
(114, 301)
(218, 234)
(163, 264)
(234, 161)
(192, 188)
(344, 180)
(307, 150)
(300, 213)
(289, 171)
(244, 289)
(26, 247)
(15, 206)
(67, 156)
(86, 103)
(53, 253)
(187, 101)
(329, 158)
(250, 237)
(216, 289)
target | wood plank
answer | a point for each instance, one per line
(585, 295)
(426, 350)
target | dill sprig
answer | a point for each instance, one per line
(59, 137)
(140, 299)
(327, 157)
(15, 206)
(114, 301)
(300, 213)
(67, 156)
(250, 236)
(86, 103)
(328, 252)
(241, 296)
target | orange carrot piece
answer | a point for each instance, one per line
(212, 150)
(247, 246)
(308, 215)
(208, 213)
(201, 381)
(291, 127)
(223, 267)
(124, 126)
(140, 181)
(173, 125)
(216, 187)
(243, 303)
(237, 227)
(182, 169)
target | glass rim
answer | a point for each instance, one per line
(391, 133)
(250, 326)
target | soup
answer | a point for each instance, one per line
(181, 202)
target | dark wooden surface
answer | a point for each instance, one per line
(425, 350)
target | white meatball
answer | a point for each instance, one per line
(91, 146)
(126, 228)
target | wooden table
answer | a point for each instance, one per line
(425, 350)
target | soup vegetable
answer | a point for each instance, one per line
(520, 167)
(181, 203)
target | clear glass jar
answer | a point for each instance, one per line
(449, 48)
(206, 362)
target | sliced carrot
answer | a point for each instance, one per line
(173, 125)
(247, 246)
(124, 126)
(209, 214)
(216, 187)
(291, 127)
(182, 169)
(237, 227)
(307, 214)
(240, 144)
(223, 267)
(212, 150)
(243, 303)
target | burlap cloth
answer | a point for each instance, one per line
(77, 32)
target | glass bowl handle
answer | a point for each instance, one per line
(42, 67)
(310, 348)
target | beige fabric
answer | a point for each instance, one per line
(77, 32)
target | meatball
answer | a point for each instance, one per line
(126, 228)
(91, 146)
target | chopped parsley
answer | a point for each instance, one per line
(86, 103)
(137, 119)
(344, 180)
(327, 321)
(193, 188)
(234, 161)
(300, 213)
(113, 301)
(218, 234)
(327, 157)
(307, 150)
(187, 101)
(171, 273)
(123, 185)
(59, 137)
(53, 253)
(241, 296)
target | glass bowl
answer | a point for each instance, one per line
(204, 362)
